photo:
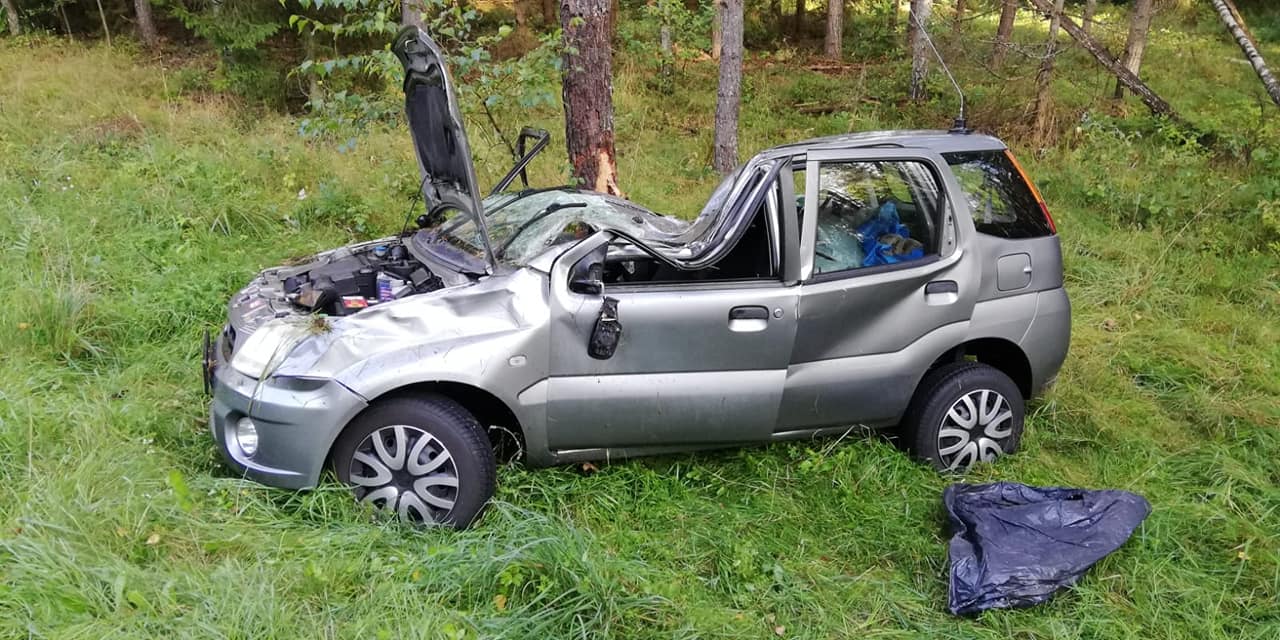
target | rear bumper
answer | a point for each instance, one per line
(296, 425)
(1048, 338)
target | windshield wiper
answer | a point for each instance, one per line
(551, 208)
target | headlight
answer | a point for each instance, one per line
(267, 347)
(246, 435)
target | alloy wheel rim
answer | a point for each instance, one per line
(975, 429)
(407, 471)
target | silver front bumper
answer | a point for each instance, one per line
(296, 426)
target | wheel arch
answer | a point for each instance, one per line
(1000, 353)
(488, 409)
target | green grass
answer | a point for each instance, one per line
(132, 209)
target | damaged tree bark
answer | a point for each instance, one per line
(1231, 18)
(588, 94)
(410, 13)
(1155, 103)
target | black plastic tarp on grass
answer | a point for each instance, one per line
(1014, 545)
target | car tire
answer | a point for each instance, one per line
(963, 413)
(424, 458)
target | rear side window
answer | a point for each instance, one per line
(1002, 202)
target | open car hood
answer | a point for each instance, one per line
(444, 156)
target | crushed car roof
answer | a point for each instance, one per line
(934, 140)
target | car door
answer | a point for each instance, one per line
(697, 363)
(872, 319)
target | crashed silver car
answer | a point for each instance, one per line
(907, 280)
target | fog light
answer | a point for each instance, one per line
(247, 436)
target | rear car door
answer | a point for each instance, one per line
(887, 284)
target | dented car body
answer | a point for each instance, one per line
(868, 280)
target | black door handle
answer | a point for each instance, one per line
(941, 286)
(749, 313)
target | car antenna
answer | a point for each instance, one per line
(961, 125)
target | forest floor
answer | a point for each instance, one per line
(132, 209)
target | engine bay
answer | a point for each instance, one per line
(365, 276)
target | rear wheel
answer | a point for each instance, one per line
(423, 458)
(962, 414)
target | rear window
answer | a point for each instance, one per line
(1002, 203)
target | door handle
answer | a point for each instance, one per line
(941, 292)
(749, 313)
(748, 319)
(941, 286)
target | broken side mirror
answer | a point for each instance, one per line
(587, 276)
(607, 331)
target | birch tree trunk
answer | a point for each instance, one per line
(1155, 103)
(1090, 9)
(1004, 32)
(588, 94)
(11, 12)
(833, 44)
(728, 96)
(1044, 78)
(105, 29)
(1136, 44)
(1230, 17)
(146, 25)
(917, 22)
(411, 13)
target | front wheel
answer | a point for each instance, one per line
(424, 458)
(962, 414)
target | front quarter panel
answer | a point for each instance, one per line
(491, 335)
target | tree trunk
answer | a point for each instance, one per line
(717, 28)
(664, 39)
(1090, 9)
(11, 12)
(725, 156)
(1139, 24)
(522, 12)
(106, 31)
(797, 20)
(146, 25)
(588, 94)
(1044, 78)
(548, 12)
(66, 24)
(833, 46)
(917, 23)
(411, 13)
(1004, 32)
(957, 21)
(1155, 103)
(1231, 18)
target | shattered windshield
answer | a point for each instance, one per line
(523, 226)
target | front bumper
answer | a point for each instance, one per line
(296, 424)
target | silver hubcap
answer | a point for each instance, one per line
(407, 471)
(976, 429)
